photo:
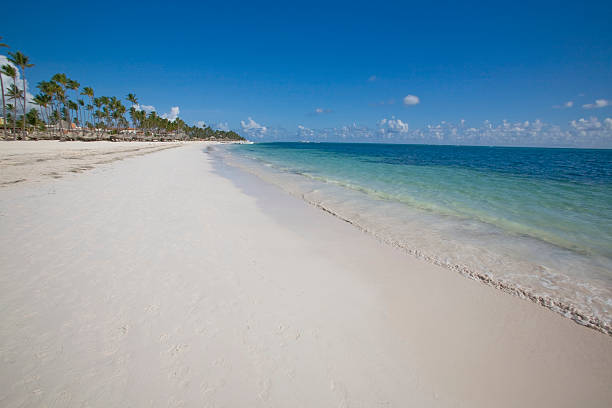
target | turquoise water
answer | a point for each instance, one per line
(535, 220)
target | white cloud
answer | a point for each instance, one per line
(599, 103)
(304, 133)
(146, 108)
(252, 128)
(579, 133)
(250, 124)
(567, 104)
(411, 100)
(217, 126)
(222, 126)
(372, 78)
(586, 124)
(393, 126)
(321, 111)
(172, 115)
(19, 82)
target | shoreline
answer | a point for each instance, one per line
(167, 280)
(107, 137)
(563, 307)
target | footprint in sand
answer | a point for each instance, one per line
(62, 400)
(151, 308)
(264, 393)
(177, 349)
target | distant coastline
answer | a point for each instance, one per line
(64, 110)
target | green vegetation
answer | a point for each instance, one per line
(67, 111)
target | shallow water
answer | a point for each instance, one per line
(535, 222)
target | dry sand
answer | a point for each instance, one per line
(34, 161)
(159, 282)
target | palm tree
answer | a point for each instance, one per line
(134, 115)
(61, 80)
(117, 110)
(52, 91)
(33, 119)
(87, 91)
(141, 116)
(22, 62)
(134, 101)
(10, 108)
(3, 100)
(74, 86)
(10, 72)
(82, 115)
(73, 107)
(98, 113)
(99, 124)
(132, 98)
(15, 94)
(90, 109)
(43, 101)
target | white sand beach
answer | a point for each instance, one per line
(158, 281)
(34, 161)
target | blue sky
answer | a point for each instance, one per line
(341, 69)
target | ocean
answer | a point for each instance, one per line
(534, 222)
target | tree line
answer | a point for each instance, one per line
(65, 110)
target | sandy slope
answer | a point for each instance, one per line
(157, 282)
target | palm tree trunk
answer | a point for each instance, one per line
(59, 126)
(14, 110)
(49, 111)
(25, 99)
(93, 109)
(42, 113)
(69, 120)
(3, 106)
(53, 110)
